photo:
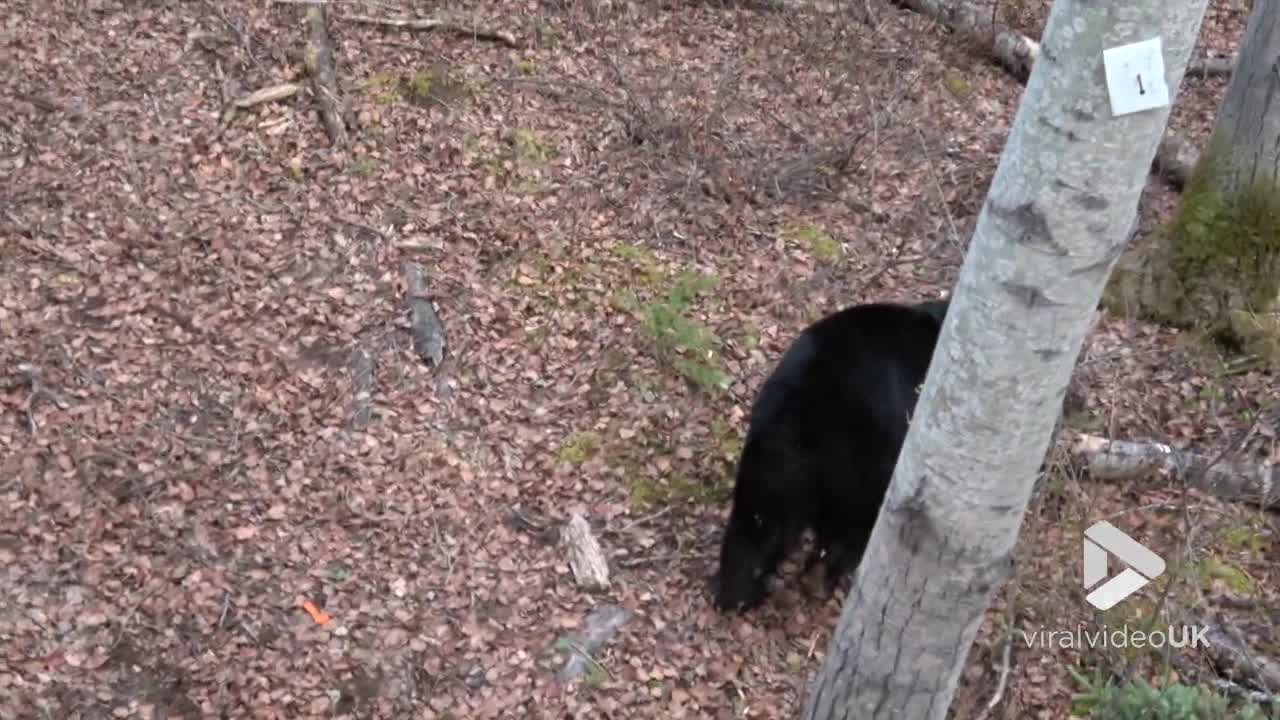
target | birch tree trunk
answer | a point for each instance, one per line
(1056, 218)
(1217, 265)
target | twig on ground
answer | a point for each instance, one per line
(937, 184)
(644, 519)
(226, 605)
(1257, 697)
(524, 520)
(429, 24)
(362, 388)
(258, 97)
(1003, 682)
(1006, 663)
(31, 374)
(670, 557)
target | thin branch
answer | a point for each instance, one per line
(429, 24)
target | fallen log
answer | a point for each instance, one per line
(1121, 459)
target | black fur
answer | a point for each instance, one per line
(823, 439)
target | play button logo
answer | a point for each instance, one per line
(1102, 539)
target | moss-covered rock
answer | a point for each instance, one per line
(1215, 266)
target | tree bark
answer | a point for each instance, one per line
(1056, 218)
(1249, 118)
(424, 323)
(586, 559)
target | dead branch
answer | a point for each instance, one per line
(429, 24)
(362, 387)
(1231, 654)
(1015, 51)
(265, 95)
(42, 102)
(324, 76)
(525, 520)
(1256, 697)
(590, 569)
(1228, 687)
(32, 375)
(828, 7)
(1120, 459)
(666, 558)
(1211, 66)
(258, 97)
(428, 332)
(1003, 682)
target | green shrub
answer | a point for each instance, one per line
(1136, 700)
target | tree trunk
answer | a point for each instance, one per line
(1056, 218)
(1249, 119)
(1217, 266)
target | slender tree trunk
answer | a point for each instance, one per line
(1248, 125)
(1056, 218)
(1248, 128)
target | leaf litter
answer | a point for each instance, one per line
(622, 222)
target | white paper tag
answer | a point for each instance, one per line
(1135, 76)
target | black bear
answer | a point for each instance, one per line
(823, 438)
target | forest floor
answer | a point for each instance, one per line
(623, 223)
